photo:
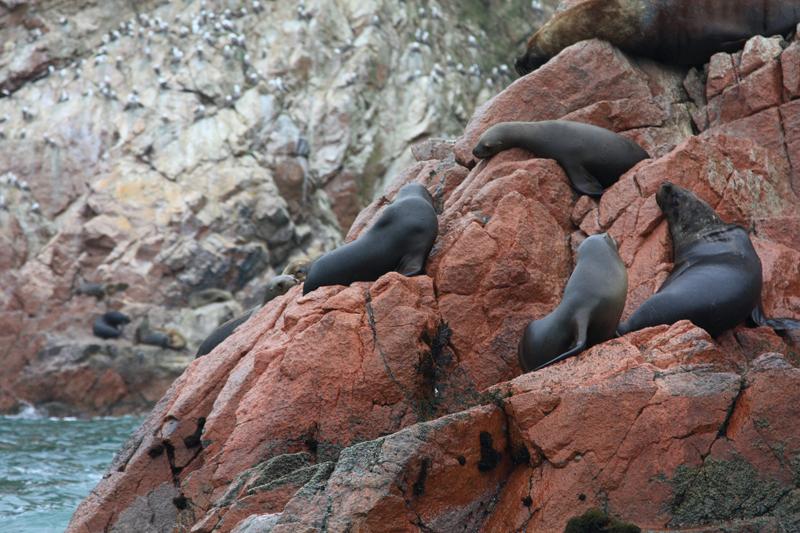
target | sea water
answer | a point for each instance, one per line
(48, 465)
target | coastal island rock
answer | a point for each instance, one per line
(398, 405)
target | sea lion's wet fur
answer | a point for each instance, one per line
(593, 157)
(716, 279)
(109, 325)
(589, 312)
(400, 240)
(684, 32)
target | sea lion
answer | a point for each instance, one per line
(277, 286)
(589, 311)
(223, 332)
(400, 240)
(205, 297)
(682, 32)
(593, 158)
(166, 338)
(109, 325)
(716, 279)
(298, 269)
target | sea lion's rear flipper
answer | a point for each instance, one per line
(411, 264)
(582, 328)
(758, 318)
(582, 180)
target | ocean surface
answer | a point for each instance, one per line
(48, 465)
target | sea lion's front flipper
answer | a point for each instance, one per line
(758, 318)
(411, 264)
(582, 180)
(581, 327)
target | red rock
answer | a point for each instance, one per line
(398, 405)
(790, 67)
(757, 52)
(721, 74)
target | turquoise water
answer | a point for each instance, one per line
(48, 465)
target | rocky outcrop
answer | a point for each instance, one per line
(398, 405)
(153, 150)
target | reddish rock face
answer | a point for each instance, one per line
(398, 405)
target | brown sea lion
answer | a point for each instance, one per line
(593, 157)
(163, 338)
(716, 279)
(682, 32)
(589, 311)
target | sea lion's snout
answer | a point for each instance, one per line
(610, 240)
(665, 193)
(480, 151)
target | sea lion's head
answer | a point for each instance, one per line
(116, 318)
(175, 341)
(298, 269)
(528, 62)
(493, 141)
(688, 216)
(279, 285)
(602, 243)
(416, 190)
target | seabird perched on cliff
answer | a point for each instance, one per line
(177, 55)
(133, 100)
(35, 207)
(27, 114)
(257, 7)
(162, 82)
(63, 97)
(200, 111)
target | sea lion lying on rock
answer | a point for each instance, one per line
(589, 312)
(109, 325)
(593, 157)
(400, 241)
(716, 279)
(163, 338)
(277, 286)
(683, 32)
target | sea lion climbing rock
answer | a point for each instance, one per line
(277, 286)
(717, 277)
(593, 158)
(109, 325)
(589, 312)
(684, 32)
(400, 240)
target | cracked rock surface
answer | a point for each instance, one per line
(398, 405)
(153, 150)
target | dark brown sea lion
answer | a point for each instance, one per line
(400, 241)
(682, 32)
(594, 158)
(589, 312)
(109, 325)
(277, 286)
(716, 279)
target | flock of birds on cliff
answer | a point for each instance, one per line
(195, 38)
(717, 276)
